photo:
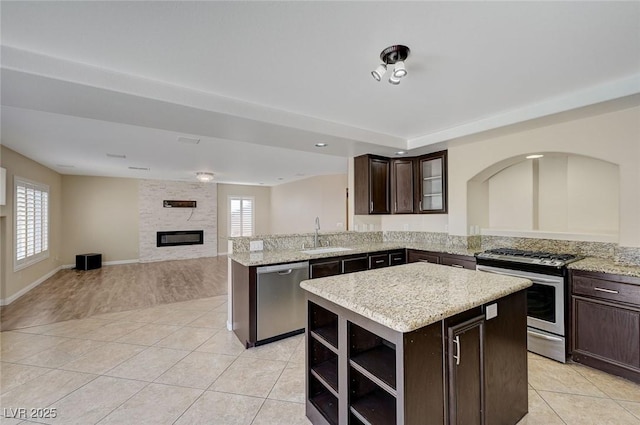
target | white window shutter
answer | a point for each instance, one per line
(31, 222)
(241, 216)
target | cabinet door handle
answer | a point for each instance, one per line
(458, 354)
(608, 291)
(371, 207)
(458, 266)
(285, 272)
(420, 205)
(379, 261)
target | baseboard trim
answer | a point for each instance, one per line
(12, 298)
(115, 263)
(105, 263)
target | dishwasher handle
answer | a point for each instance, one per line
(283, 269)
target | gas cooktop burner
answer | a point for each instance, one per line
(528, 257)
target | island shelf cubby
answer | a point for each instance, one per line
(369, 402)
(373, 356)
(322, 362)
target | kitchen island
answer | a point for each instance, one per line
(416, 344)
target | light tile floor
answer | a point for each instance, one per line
(177, 364)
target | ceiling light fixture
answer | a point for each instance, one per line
(204, 176)
(392, 55)
(536, 156)
(401, 152)
(321, 145)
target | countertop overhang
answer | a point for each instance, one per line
(410, 296)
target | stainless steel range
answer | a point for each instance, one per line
(547, 301)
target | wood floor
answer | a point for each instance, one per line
(73, 294)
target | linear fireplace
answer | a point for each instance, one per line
(180, 237)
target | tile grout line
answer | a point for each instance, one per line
(550, 407)
(627, 410)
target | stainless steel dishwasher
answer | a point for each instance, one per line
(280, 303)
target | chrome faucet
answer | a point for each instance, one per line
(315, 239)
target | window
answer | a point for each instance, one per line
(31, 222)
(241, 216)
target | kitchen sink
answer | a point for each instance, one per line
(325, 250)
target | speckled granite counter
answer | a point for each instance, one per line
(262, 258)
(594, 264)
(408, 297)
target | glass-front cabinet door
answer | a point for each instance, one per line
(432, 175)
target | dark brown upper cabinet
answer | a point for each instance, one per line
(431, 184)
(402, 179)
(372, 184)
(402, 185)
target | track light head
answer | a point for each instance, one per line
(379, 72)
(399, 70)
(393, 80)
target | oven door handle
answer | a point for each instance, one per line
(542, 336)
(535, 279)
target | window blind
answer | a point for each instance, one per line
(241, 216)
(32, 222)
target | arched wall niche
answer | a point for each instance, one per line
(561, 194)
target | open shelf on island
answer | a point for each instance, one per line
(323, 324)
(323, 400)
(327, 371)
(369, 403)
(380, 362)
(374, 355)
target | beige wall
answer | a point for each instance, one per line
(295, 205)
(100, 215)
(611, 137)
(262, 196)
(557, 193)
(511, 197)
(12, 282)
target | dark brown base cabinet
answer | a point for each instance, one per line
(606, 322)
(324, 267)
(453, 260)
(463, 370)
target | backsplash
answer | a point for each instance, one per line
(298, 241)
(610, 251)
(587, 249)
(434, 238)
(627, 256)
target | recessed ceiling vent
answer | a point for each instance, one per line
(179, 204)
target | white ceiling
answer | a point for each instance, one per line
(261, 82)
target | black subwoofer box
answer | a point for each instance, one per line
(88, 261)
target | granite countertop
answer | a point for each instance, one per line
(263, 258)
(602, 265)
(410, 296)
